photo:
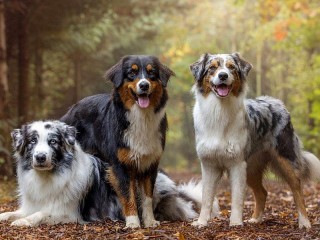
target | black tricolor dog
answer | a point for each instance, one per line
(58, 182)
(128, 130)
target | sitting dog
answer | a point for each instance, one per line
(58, 182)
(244, 137)
(127, 129)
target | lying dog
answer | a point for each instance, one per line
(60, 183)
(128, 130)
(244, 137)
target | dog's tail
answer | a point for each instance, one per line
(313, 166)
(180, 202)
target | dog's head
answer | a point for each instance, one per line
(222, 74)
(140, 80)
(44, 145)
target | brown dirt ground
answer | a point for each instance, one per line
(280, 220)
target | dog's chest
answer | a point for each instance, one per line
(143, 136)
(221, 132)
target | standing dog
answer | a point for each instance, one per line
(58, 182)
(128, 129)
(244, 137)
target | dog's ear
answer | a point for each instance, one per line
(17, 139)
(115, 73)
(198, 68)
(69, 134)
(164, 74)
(244, 66)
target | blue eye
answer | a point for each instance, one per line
(52, 141)
(33, 141)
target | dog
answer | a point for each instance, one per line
(59, 183)
(127, 129)
(244, 137)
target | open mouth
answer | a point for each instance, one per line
(143, 100)
(222, 90)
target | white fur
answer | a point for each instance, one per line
(221, 137)
(143, 135)
(50, 197)
(193, 190)
(147, 213)
(132, 222)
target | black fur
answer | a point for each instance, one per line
(101, 120)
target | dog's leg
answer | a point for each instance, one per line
(260, 195)
(293, 180)
(33, 220)
(210, 180)
(238, 182)
(255, 169)
(147, 184)
(125, 188)
(11, 216)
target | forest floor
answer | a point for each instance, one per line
(280, 220)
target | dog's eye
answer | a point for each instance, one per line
(231, 67)
(212, 67)
(52, 141)
(33, 141)
(132, 73)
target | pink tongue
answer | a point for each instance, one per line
(223, 90)
(143, 102)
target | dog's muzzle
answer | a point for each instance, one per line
(143, 92)
(41, 161)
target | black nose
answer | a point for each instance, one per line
(41, 157)
(144, 86)
(223, 76)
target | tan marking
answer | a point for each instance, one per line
(237, 84)
(124, 156)
(260, 194)
(215, 63)
(149, 67)
(292, 178)
(230, 64)
(156, 92)
(129, 205)
(135, 67)
(147, 186)
(126, 95)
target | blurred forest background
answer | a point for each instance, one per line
(53, 53)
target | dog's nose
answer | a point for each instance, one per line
(144, 86)
(41, 157)
(223, 76)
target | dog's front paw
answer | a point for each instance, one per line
(132, 222)
(255, 220)
(304, 222)
(22, 222)
(151, 223)
(199, 223)
(5, 216)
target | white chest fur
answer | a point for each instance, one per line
(143, 136)
(220, 124)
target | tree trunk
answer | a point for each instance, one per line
(3, 63)
(23, 62)
(5, 160)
